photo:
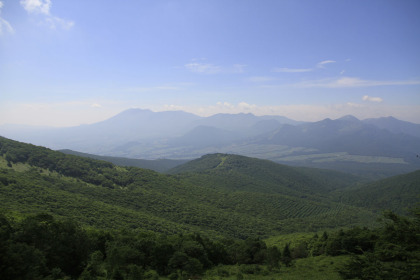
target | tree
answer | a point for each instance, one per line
(273, 257)
(95, 266)
(21, 261)
(180, 261)
(286, 257)
(396, 252)
(64, 243)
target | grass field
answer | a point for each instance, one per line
(313, 268)
(292, 238)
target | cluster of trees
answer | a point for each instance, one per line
(391, 251)
(91, 171)
(394, 193)
(42, 247)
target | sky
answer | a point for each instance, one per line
(66, 63)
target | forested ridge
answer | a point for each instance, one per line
(129, 223)
(397, 193)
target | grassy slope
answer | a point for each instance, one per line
(144, 208)
(32, 192)
(276, 177)
(239, 197)
(398, 193)
(298, 197)
(312, 268)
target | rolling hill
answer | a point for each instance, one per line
(399, 194)
(217, 195)
(256, 175)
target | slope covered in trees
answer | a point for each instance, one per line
(43, 247)
(399, 193)
(256, 175)
(135, 223)
(231, 202)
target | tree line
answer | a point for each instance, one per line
(43, 247)
(390, 251)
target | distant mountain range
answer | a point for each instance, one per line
(373, 147)
(395, 126)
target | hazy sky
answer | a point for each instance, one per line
(68, 62)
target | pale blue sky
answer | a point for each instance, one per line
(71, 62)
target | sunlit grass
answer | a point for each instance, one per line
(20, 167)
(312, 268)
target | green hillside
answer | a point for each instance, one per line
(242, 173)
(238, 202)
(69, 217)
(399, 194)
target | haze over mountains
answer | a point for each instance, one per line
(346, 144)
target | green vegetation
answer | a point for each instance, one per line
(240, 198)
(221, 216)
(398, 193)
(258, 175)
(391, 252)
(369, 171)
(41, 247)
(313, 268)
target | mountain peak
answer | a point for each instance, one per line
(391, 118)
(133, 112)
(348, 118)
(395, 125)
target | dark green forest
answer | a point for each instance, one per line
(69, 217)
(42, 247)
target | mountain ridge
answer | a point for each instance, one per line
(144, 134)
(394, 125)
